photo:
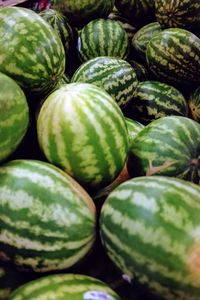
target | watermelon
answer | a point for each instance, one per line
(141, 11)
(65, 287)
(134, 127)
(14, 116)
(30, 52)
(180, 13)
(116, 76)
(80, 12)
(168, 146)
(150, 229)
(173, 55)
(142, 37)
(102, 37)
(47, 220)
(194, 104)
(154, 99)
(60, 24)
(82, 130)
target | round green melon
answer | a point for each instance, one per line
(80, 12)
(116, 76)
(168, 146)
(102, 37)
(30, 51)
(173, 55)
(150, 229)
(47, 220)
(82, 130)
(154, 99)
(194, 104)
(60, 24)
(14, 116)
(142, 37)
(65, 287)
(183, 14)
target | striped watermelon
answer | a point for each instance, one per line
(179, 13)
(168, 146)
(30, 52)
(134, 128)
(142, 37)
(47, 220)
(102, 37)
(194, 104)
(154, 99)
(82, 130)
(150, 230)
(61, 25)
(80, 12)
(141, 11)
(65, 287)
(14, 116)
(116, 76)
(174, 55)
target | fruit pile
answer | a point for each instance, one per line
(100, 151)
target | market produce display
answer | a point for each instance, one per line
(142, 37)
(60, 24)
(173, 55)
(100, 150)
(153, 99)
(116, 76)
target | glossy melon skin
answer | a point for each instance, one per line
(150, 229)
(47, 220)
(169, 146)
(116, 76)
(14, 116)
(173, 55)
(153, 99)
(31, 53)
(82, 130)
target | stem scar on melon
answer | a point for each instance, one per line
(156, 169)
(193, 263)
(53, 77)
